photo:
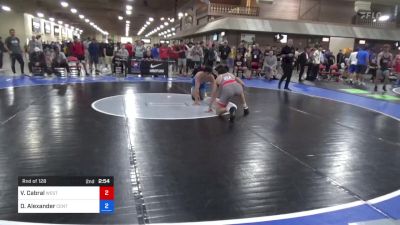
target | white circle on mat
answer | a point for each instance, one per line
(397, 90)
(155, 106)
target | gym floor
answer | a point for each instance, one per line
(303, 151)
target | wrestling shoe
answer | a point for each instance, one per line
(246, 111)
(232, 114)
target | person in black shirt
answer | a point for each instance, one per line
(288, 54)
(302, 62)
(224, 51)
(109, 51)
(2, 49)
(241, 49)
(340, 58)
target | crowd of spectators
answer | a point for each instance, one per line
(247, 60)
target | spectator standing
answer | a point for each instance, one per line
(302, 61)
(209, 56)
(182, 62)
(86, 44)
(2, 50)
(139, 50)
(373, 64)
(316, 62)
(13, 46)
(385, 60)
(287, 63)
(163, 51)
(197, 55)
(129, 48)
(232, 57)
(94, 52)
(340, 59)
(396, 68)
(224, 51)
(155, 52)
(174, 55)
(102, 60)
(362, 64)
(241, 50)
(189, 56)
(109, 52)
(78, 50)
(353, 65)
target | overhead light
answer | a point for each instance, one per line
(186, 14)
(162, 19)
(51, 19)
(384, 18)
(180, 15)
(60, 22)
(72, 27)
(128, 22)
(128, 7)
(5, 8)
(168, 30)
(87, 20)
(174, 34)
(166, 23)
(73, 10)
(82, 16)
(91, 23)
(120, 17)
(64, 4)
(173, 29)
(151, 19)
(66, 25)
(128, 12)
(148, 22)
(162, 26)
(41, 15)
(172, 20)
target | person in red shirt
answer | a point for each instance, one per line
(396, 68)
(78, 51)
(129, 48)
(174, 55)
(164, 52)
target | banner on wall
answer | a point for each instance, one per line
(36, 25)
(47, 28)
(249, 38)
(56, 31)
(63, 32)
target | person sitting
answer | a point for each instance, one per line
(239, 65)
(269, 66)
(59, 60)
(38, 61)
(121, 55)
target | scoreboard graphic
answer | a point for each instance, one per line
(65, 194)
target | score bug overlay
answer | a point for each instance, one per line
(65, 194)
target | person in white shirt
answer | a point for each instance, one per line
(353, 65)
(316, 61)
(189, 57)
